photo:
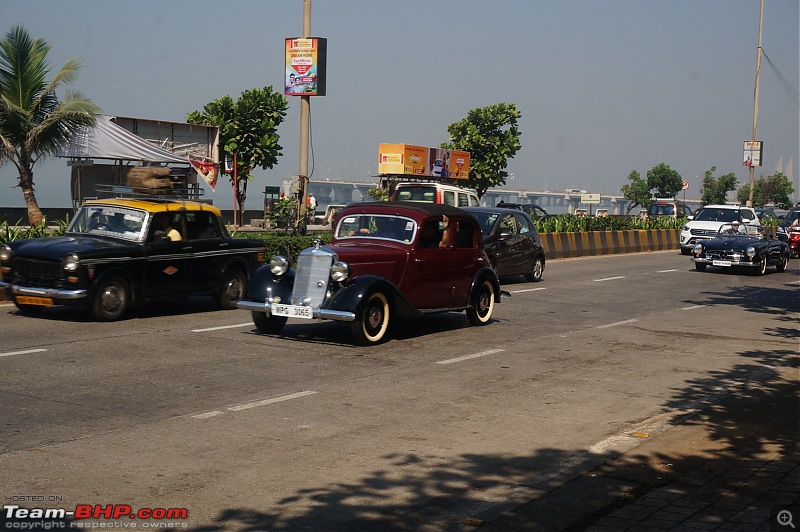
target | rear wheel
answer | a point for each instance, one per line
(232, 289)
(700, 266)
(483, 305)
(269, 324)
(537, 269)
(372, 323)
(111, 299)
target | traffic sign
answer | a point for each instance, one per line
(684, 185)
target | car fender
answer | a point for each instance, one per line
(486, 272)
(263, 285)
(352, 296)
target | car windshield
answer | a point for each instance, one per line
(108, 220)
(741, 230)
(383, 226)
(717, 215)
(487, 221)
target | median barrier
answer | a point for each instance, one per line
(593, 243)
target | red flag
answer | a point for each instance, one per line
(209, 172)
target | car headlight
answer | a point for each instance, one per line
(340, 271)
(5, 253)
(278, 265)
(71, 262)
(751, 252)
(698, 249)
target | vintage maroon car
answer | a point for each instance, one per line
(386, 260)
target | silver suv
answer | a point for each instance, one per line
(706, 222)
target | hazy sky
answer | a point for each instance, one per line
(604, 86)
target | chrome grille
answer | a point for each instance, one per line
(34, 272)
(311, 277)
(721, 254)
(704, 232)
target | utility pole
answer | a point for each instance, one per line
(755, 100)
(305, 114)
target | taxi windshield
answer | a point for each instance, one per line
(387, 227)
(108, 220)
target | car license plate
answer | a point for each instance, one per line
(292, 311)
(38, 301)
(721, 263)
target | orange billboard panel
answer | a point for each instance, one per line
(419, 161)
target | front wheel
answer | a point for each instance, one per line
(762, 266)
(372, 322)
(268, 324)
(536, 270)
(700, 266)
(781, 266)
(483, 305)
(231, 289)
(111, 299)
(686, 251)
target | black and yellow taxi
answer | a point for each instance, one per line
(117, 252)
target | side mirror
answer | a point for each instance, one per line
(746, 220)
(504, 235)
(691, 217)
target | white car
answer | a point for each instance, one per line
(707, 221)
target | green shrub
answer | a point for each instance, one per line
(284, 244)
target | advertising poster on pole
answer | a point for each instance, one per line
(752, 153)
(420, 161)
(305, 69)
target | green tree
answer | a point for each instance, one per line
(34, 124)
(637, 192)
(248, 128)
(491, 136)
(775, 189)
(715, 190)
(663, 181)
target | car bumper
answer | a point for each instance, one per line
(321, 313)
(725, 263)
(52, 293)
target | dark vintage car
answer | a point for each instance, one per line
(386, 260)
(511, 242)
(741, 245)
(118, 251)
(534, 211)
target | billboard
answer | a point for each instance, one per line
(421, 161)
(306, 66)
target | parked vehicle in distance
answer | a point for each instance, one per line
(534, 211)
(669, 208)
(785, 231)
(386, 260)
(511, 242)
(705, 223)
(434, 192)
(741, 245)
(117, 252)
(766, 212)
(329, 215)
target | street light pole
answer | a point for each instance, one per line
(305, 114)
(755, 101)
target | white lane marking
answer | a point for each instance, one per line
(526, 290)
(609, 278)
(469, 357)
(224, 327)
(245, 406)
(693, 307)
(667, 271)
(624, 322)
(12, 353)
(270, 401)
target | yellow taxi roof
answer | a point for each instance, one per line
(156, 205)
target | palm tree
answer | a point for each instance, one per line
(33, 123)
